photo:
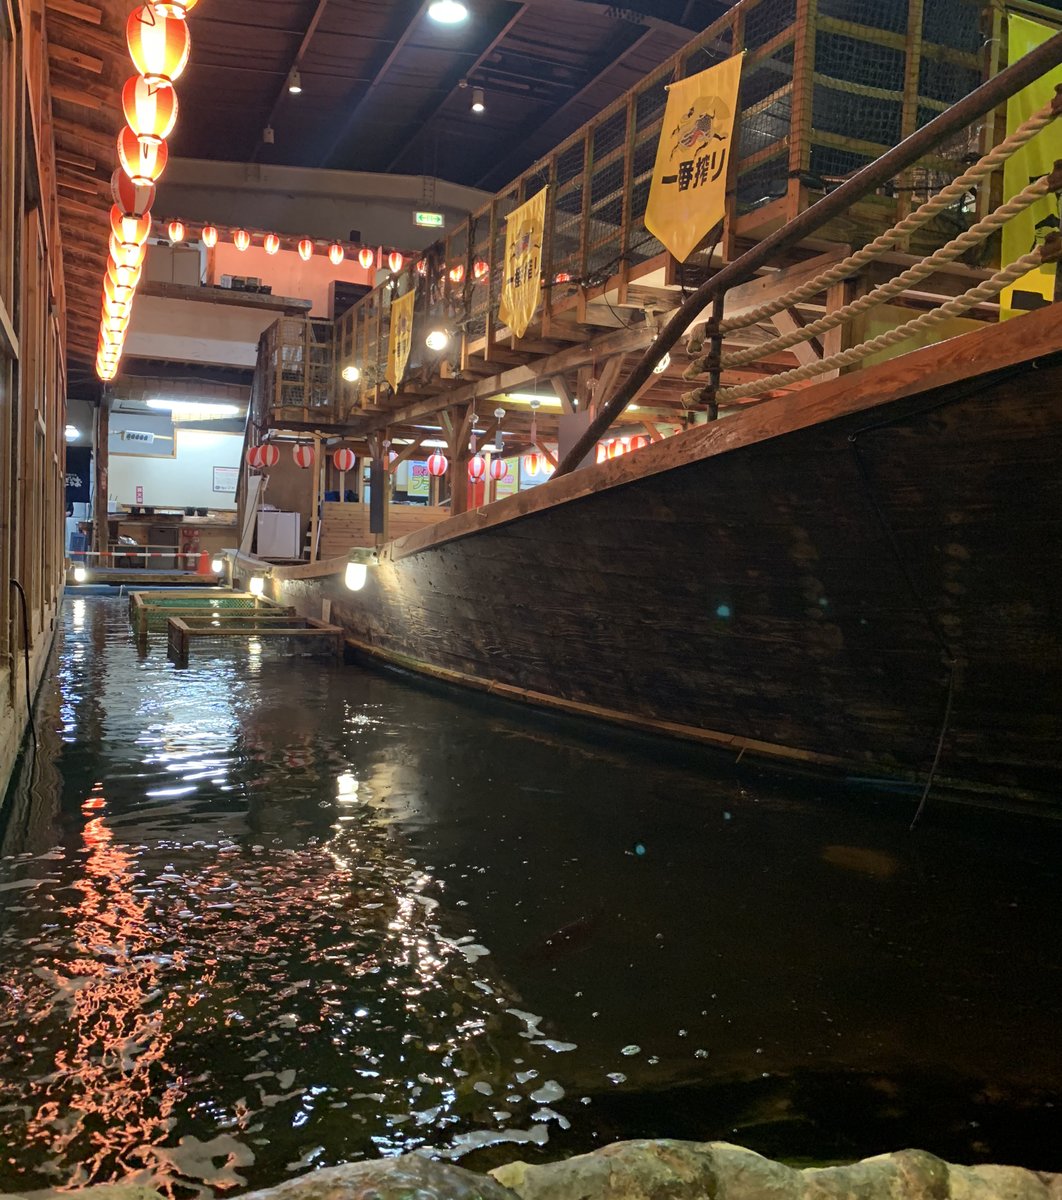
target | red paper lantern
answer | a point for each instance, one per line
(602, 452)
(305, 249)
(119, 292)
(532, 462)
(129, 196)
(303, 455)
(126, 254)
(395, 262)
(457, 274)
(254, 456)
(175, 229)
(122, 275)
(335, 254)
(638, 441)
(480, 269)
(241, 239)
(343, 459)
(270, 456)
(422, 266)
(477, 468)
(437, 464)
(271, 243)
(499, 469)
(366, 258)
(615, 448)
(141, 160)
(158, 44)
(150, 108)
(562, 277)
(209, 236)
(128, 228)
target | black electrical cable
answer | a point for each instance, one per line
(29, 690)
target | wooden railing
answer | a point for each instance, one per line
(827, 87)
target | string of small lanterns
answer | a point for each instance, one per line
(157, 36)
(178, 231)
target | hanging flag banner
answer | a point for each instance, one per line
(687, 197)
(399, 338)
(522, 285)
(1028, 229)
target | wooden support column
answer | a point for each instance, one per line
(315, 510)
(461, 425)
(807, 12)
(99, 524)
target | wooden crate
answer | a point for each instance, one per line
(347, 525)
(182, 631)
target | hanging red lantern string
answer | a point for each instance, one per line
(270, 456)
(303, 455)
(150, 108)
(158, 44)
(271, 243)
(305, 249)
(141, 160)
(395, 262)
(129, 196)
(209, 236)
(335, 254)
(175, 231)
(437, 465)
(531, 464)
(254, 456)
(241, 239)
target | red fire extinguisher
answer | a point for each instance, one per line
(186, 552)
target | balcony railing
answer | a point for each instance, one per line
(827, 86)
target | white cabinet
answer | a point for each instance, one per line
(278, 535)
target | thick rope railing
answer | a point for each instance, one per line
(894, 287)
(955, 307)
(915, 220)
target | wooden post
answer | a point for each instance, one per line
(803, 97)
(909, 113)
(315, 513)
(100, 528)
(459, 456)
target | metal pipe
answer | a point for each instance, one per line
(981, 100)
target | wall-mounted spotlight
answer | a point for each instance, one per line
(438, 339)
(357, 572)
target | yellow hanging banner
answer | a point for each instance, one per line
(522, 284)
(687, 197)
(399, 338)
(1036, 158)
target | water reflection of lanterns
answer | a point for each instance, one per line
(422, 266)
(437, 464)
(562, 277)
(457, 273)
(480, 269)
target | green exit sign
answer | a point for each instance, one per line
(432, 220)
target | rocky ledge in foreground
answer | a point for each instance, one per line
(647, 1170)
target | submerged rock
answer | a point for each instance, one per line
(672, 1170)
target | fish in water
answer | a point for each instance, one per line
(875, 863)
(568, 939)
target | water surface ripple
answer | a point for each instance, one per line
(266, 913)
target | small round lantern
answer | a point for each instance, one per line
(241, 239)
(129, 196)
(477, 468)
(209, 236)
(343, 459)
(335, 254)
(141, 160)
(150, 108)
(638, 441)
(437, 464)
(395, 262)
(271, 243)
(305, 249)
(254, 456)
(532, 464)
(175, 229)
(366, 258)
(270, 455)
(303, 455)
(499, 469)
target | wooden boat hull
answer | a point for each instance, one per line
(824, 578)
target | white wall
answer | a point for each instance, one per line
(185, 481)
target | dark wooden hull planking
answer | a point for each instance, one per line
(808, 580)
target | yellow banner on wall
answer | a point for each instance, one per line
(1029, 228)
(687, 197)
(522, 285)
(399, 338)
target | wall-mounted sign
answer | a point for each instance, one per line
(419, 480)
(432, 220)
(225, 478)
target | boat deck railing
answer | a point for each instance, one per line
(827, 87)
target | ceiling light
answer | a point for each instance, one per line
(663, 364)
(351, 373)
(194, 410)
(437, 339)
(294, 81)
(72, 433)
(447, 12)
(528, 397)
(478, 103)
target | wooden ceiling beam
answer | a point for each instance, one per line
(70, 159)
(75, 58)
(80, 11)
(84, 133)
